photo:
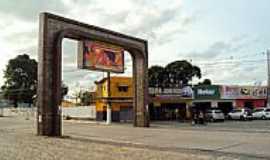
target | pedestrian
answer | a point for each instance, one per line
(201, 117)
(194, 117)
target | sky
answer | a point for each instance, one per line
(227, 39)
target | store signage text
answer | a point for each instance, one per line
(206, 92)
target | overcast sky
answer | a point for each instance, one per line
(225, 38)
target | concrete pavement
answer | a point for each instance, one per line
(249, 144)
(179, 138)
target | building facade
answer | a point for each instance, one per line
(245, 96)
(121, 99)
(227, 97)
(170, 103)
(175, 103)
(209, 96)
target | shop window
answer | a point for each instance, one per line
(122, 88)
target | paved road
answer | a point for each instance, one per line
(214, 141)
(217, 138)
(262, 126)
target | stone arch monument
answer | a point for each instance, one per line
(52, 30)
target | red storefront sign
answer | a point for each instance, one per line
(254, 103)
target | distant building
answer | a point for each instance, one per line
(66, 103)
(70, 100)
(121, 99)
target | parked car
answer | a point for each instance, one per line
(214, 115)
(240, 114)
(261, 113)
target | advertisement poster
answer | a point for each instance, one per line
(243, 92)
(103, 56)
(252, 92)
(229, 92)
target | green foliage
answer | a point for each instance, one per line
(20, 79)
(156, 76)
(206, 82)
(86, 98)
(175, 74)
(64, 90)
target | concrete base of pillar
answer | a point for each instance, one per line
(109, 115)
(49, 125)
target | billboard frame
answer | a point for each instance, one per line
(81, 62)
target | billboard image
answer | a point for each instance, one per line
(101, 56)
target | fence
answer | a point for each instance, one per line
(80, 112)
(84, 112)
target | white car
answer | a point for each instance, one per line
(261, 113)
(240, 114)
(214, 115)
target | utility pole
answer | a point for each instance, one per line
(268, 78)
(109, 107)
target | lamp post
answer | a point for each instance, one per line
(268, 77)
(109, 107)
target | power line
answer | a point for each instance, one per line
(205, 64)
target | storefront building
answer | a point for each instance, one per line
(164, 104)
(251, 96)
(170, 103)
(206, 96)
(228, 94)
(227, 97)
(175, 103)
(245, 96)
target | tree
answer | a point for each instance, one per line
(64, 90)
(87, 98)
(175, 74)
(156, 76)
(206, 82)
(20, 79)
(180, 73)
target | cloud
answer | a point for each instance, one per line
(29, 10)
(229, 62)
(160, 22)
(221, 50)
(215, 50)
(153, 21)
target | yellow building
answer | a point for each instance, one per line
(166, 104)
(121, 91)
